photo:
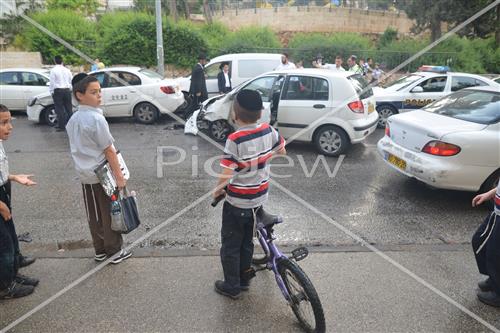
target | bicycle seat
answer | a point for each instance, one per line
(267, 219)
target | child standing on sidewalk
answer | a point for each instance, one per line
(12, 284)
(91, 143)
(486, 246)
(247, 152)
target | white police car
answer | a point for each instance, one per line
(418, 89)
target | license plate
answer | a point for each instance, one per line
(371, 108)
(401, 164)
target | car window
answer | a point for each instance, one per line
(263, 85)
(151, 74)
(251, 68)
(306, 88)
(361, 86)
(461, 82)
(102, 78)
(434, 84)
(471, 105)
(10, 78)
(33, 79)
(120, 79)
(213, 70)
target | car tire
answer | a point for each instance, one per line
(384, 112)
(331, 141)
(146, 113)
(219, 130)
(490, 183)
(49, 116)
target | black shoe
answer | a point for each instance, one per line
(489, 297)
(485, 285)
(221, 288)
(25, 280)
(25, 261)
(245, 285)
(16, 290)
(58, 129)
(123, 255)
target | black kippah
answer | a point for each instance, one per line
(249, 100)
(77, 78)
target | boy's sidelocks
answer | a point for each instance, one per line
(246, 174)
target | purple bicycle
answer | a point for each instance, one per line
(294, 284)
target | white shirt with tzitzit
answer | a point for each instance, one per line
(89, 136)
(289, 65)
(4, 166)
(60, 78)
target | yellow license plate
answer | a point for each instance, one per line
(371, 108)
(397, 162)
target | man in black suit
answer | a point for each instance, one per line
(224, 79)
(198, 88)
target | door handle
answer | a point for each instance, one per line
(132, 91)
(319, 106)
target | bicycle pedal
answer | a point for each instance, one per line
(300, 253)
(248, 274)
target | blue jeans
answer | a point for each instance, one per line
(237, 244)
(9, 245)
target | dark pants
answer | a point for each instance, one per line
(237, 243)
(9, 245)
(486, 246)
(63, 106)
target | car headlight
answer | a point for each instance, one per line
(32, 101)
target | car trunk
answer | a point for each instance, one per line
(413, 130)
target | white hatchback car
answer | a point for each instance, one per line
(453, 143)
(332, 110)
(18, 85)
(126, 91)
(416, 90)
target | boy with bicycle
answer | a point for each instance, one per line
(246, 174)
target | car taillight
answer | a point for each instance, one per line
(440, 148)
(356, 107)
(168, 89)
(387, 130)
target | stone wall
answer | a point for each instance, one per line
(316, 19)
(20, 59)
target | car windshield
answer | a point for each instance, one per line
(151, 74)
(361, 86)
(477, 106)
(403, 82)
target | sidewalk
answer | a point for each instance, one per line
(164, 291)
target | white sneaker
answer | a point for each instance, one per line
(101, 257)
(123, 255)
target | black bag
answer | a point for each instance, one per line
(128, 217)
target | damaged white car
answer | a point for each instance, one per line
(331, 110)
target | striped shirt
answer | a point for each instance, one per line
(250, 148)
(497, 200)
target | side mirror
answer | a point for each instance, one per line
(417, 89)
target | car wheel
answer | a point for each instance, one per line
(49, 116)
(219, 130)
(384, 112)
(331, 141)
(145, 113)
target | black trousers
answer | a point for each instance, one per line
(9, 245)
(237, 243)
(63, 106)
(486, 246)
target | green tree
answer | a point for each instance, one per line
(86, 7)
(13, 23)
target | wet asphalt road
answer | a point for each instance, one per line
(373, 201)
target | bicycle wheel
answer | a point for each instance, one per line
(305, 302)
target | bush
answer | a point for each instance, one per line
(251, 39)
(308, 46)
(215, 35)
(133, 41)
(71, 27)
(390, 34)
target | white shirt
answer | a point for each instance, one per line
(333, 67)
(60, 78)
(89, 136)
(226, 77)
(4, 166)
(289, 65)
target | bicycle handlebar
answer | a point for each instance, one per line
(216, 201)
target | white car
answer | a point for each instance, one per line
(18, 85)
(332, 110)
(453, 143)
(416, 90)
(126, 91)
